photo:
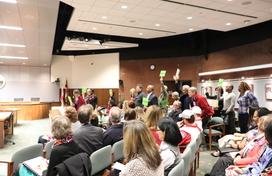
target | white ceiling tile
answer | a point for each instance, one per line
(217, 5)
(82, 7)
(141, 9)
(97, 10)
(185, 9)
(134, 15)
(105, 3)
(135, 2)
(86, 2)
(117, 12)
(117, 20)
(151, 18)
(151, 3)
(168, 6)
(159, 12)
(200, 3)
(175, 15)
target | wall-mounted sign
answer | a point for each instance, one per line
(2, 81)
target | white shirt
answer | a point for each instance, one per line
(194, 131)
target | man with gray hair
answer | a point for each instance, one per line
(115, 132)
(200, 101)
(184, 97)
(175, 96)
(176, 111)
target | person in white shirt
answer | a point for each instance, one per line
(197, 113)
(228, 109)
(188, 124)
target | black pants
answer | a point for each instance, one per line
(230, 128)
(243, 121)
(220, 166)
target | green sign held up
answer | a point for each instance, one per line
(220, 82)
(162, 73)
(84, 89)
(110, 91)
(70, 99)
(164, 102)
(145, 101)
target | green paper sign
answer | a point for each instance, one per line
(110, 91)
(84, 89)
(70, 99)
(145, 101)
(162, 73)
(164, 102)
(220, 82)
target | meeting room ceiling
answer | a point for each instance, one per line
(122, 23)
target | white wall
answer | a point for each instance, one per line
(91, 71)
(258, 90)
(28, 82)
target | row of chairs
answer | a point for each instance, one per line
(100, 159)
(189, 159)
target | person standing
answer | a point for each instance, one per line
(245, 99)
(152, 98)
(139, 97)
(163, 97)
(78, 100)
(91, 98)
(183, 94)
(228, 109)
(200, 101)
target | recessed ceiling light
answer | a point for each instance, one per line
(85, 45)
(140, 33)
(5, 44)
(157, 24)
(124, 7)
(13, 57)
(106, 46)
(189, 18)
(247, 21)
(230, 0)
(9, 27)
(228, 24)
(23, 63)
(191, 29)
(44, 64)
(30, 17)
(10, 1)
(104, 17)
(1, 62)
(8, 11)
(94, 28)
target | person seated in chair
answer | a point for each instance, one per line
(115, 132)
(88, 137)
(176, 111)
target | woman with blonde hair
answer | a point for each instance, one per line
(139, 113)
(141, 152)
(246, 98)
(153, 114)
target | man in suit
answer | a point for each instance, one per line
(176, 111)
(88, 137)
(139, 97)
(152, 98)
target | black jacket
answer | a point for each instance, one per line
(77, 165)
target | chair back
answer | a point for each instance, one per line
(199, 139)
(193, 146)
(117, 150)
(186, 156)
(48, 148)
(26, 153)
(7, 121)
(18, 99)
(101, 159)
(35, 99)
(178, 170)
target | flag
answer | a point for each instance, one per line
(66, 90)
(61, 96)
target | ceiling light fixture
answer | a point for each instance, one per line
(157, 25)
(229, 0)
(9, 27)
(5, 44)
(13, 57)
(44, 64)
(104, 17)
(191, 29)
(1, 62)
(228, 24)
(247, 21)
(94, 28)
(30, 17)
(140, 33)
(255, 67)
(23, 63)
(10, 1)
(124, 7)
(189, 18)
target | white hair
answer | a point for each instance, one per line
(186, 87)
(175, 93)
(193, 89)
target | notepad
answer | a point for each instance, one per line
(33, 164)
(118, 166)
